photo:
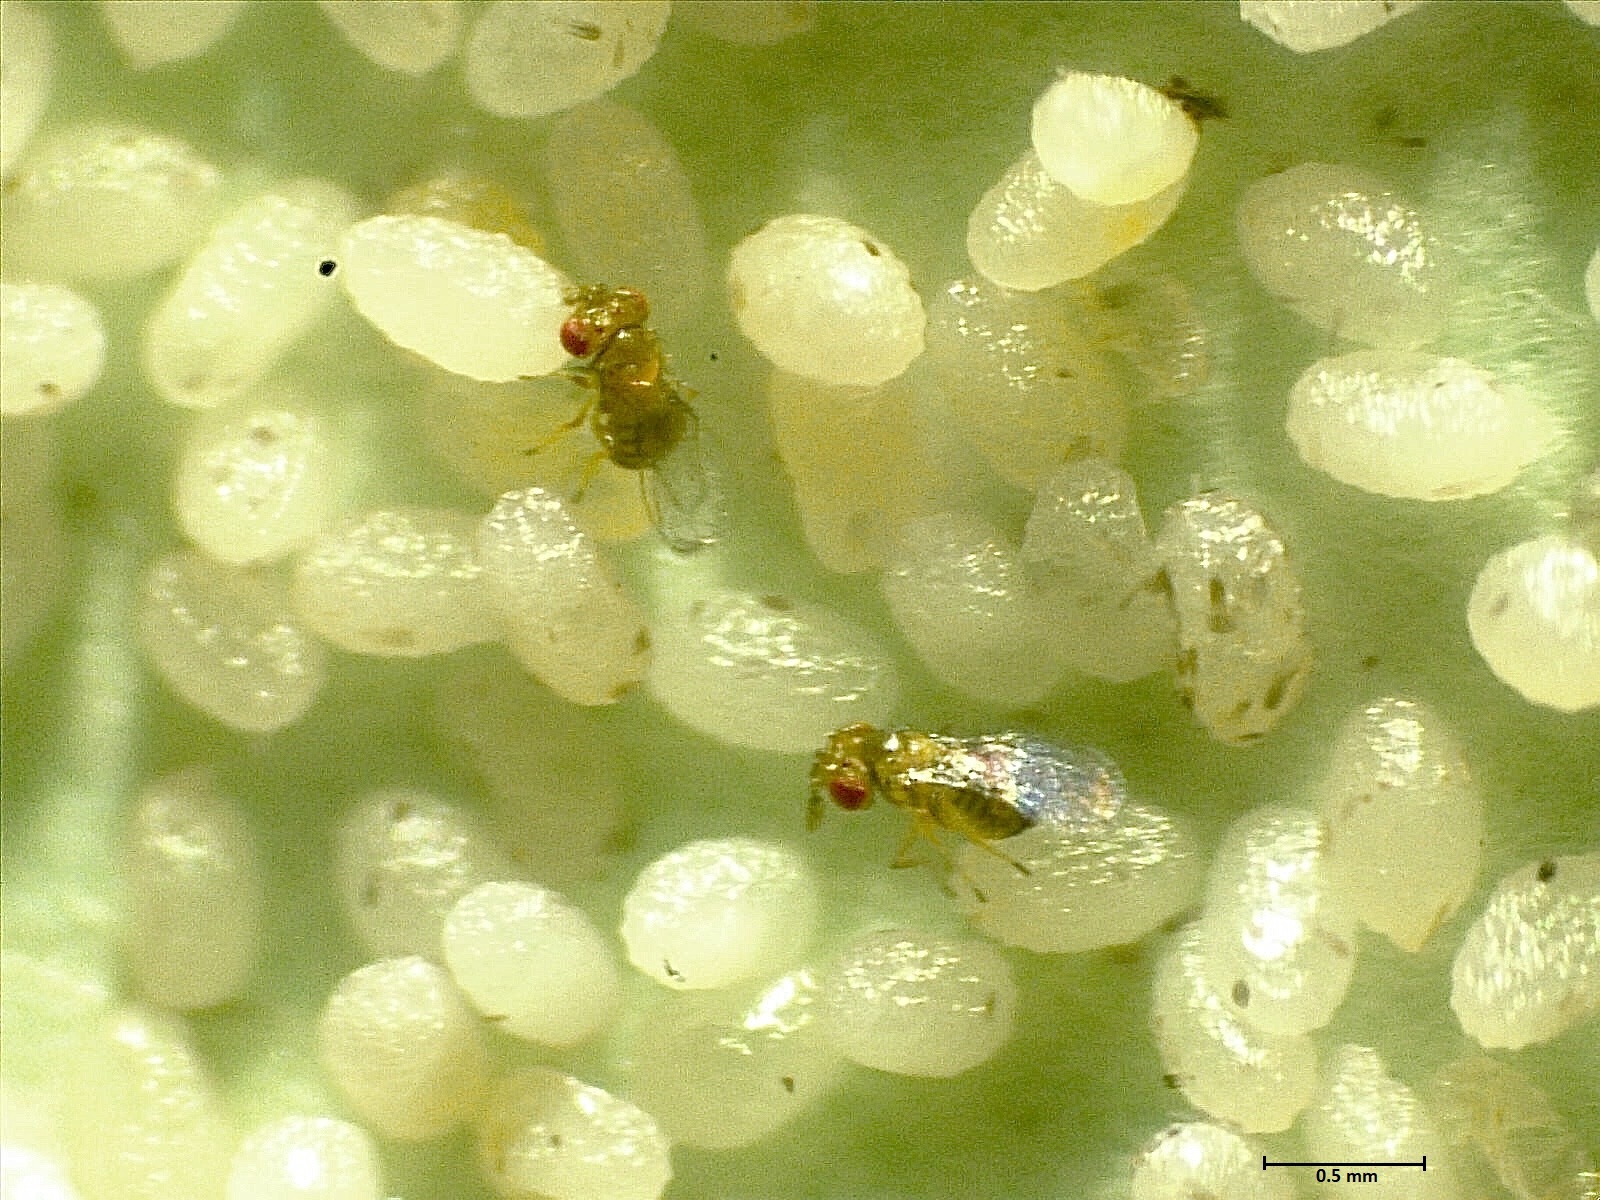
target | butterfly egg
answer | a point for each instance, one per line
(854, 493)
(400, 581)
(305, 1158)
(1195, 1158)
(193, 873)
(1499, 1112)
(1345, 252)
(50, 1011)
(529, 60)
(531, 962)
(765, 671)
(402, 858)
(52, 346)
(143, 1119)
(1112, 140)
(1362, 1114)
(471, 302)
(715, 912)
(958, 592)
(1094, 573)
(468, 198)
(257, 480)
(825, 299)
(1224, 1066)
(1529, 966)
(1150, 321)
(1243, 655)
(247, 294)
(410, 38)
(106, 202)
(1534, 619)
(1031, 231)
(154, 35)
(1026, 384)
(1085, 527)
(1404, 820)
(563, 615)
(483, 432)
(403, 1048)
(558, 806)
(1400, 423)
(542, 1133)
(27, 63)
(1281, 942)
(29, 1174)
(913, 1003)
(624, 206)
(1305, 28)
(227, 643)
(1089, 884)
(728, 1069)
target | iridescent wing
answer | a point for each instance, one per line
(685, 494)
(1072, 786)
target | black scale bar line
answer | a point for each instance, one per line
(1423, 1164)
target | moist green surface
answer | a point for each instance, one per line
(906, 114)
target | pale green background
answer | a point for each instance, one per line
(912, 110)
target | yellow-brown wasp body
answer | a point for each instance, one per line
(636, 411)
(984, 789)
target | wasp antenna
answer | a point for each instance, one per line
(814, 810)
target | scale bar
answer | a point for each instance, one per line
(1265, 1164)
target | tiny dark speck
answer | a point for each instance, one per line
(1241, 993)
(1547, 870)
(788, 1084)
(327, 267)
(1198, 105)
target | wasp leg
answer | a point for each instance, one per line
(561, 430)
(903, 857)
(999, 853)
(927, 831)
(652, 510)
(589, 470)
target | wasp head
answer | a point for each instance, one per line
(842, 772)
(598, 313)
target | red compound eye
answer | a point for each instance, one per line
(578, 337)
(849, 794)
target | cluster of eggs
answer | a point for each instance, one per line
(1042, 352)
